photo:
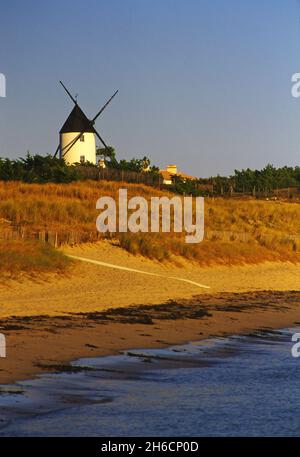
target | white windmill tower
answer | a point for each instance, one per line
(77, 136)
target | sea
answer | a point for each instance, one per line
(235, 386)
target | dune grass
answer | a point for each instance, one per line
(237, 230)
(207, 253)
(30, 257)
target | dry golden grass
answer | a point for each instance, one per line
(238, 231)
(31, 257)
(60, 206)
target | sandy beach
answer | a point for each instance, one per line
(96, 310)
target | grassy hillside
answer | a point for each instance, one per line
(237, 231)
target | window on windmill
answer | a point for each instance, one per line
(82, 138)
(82, 159)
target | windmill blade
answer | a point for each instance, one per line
(71, 97)
(57, 149)
(104, 106)
(101, 139)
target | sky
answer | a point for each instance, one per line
(203, 84)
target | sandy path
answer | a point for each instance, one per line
(134, 270)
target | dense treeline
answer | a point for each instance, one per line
(40, 169)
(247, 181)
(266, 180)
(36, 168)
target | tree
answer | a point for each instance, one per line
(106, 153)
(36, 168)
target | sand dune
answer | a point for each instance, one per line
(91, 287)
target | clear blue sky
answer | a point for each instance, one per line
(203, 84)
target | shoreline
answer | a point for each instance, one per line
(36, 344)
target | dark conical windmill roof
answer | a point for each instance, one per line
(77, 122)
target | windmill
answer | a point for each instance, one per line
(77, 135)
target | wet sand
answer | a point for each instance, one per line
(38, 343)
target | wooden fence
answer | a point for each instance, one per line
(56, 238)
(115, 174)
(156, 180)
